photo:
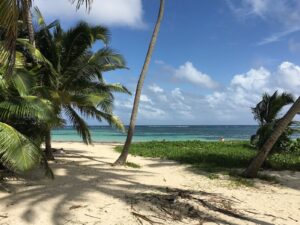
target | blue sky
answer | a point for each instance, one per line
(213, 59)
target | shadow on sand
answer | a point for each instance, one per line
(81, 174)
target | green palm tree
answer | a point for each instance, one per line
(283, 123)
(72, 80)
(19, 152)
(266, 112)
(11, 11)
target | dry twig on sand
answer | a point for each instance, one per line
(183, 206)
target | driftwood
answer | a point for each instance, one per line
(144, 218)
(185, 206)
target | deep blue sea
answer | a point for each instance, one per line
(159, 133)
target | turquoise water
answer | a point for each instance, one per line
(159, 133)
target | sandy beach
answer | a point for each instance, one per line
(88, 190)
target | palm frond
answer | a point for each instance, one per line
(26, 107)
(79, 124)
(9, 14)
(79, 3)
(16, 151)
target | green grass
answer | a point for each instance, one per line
(213, 176)
(213, 156)
(237, 181)
(133, 165)
(268, 178)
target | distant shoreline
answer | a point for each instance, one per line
(121, 142)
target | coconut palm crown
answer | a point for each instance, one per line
(72, 77)
(266, 112)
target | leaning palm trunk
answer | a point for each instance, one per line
(257, 162)
(28, 19)
(123, 157)
(48, 147)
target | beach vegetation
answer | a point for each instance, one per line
(267, 114)
(213, 157)
(237, 181)
(12, 12)
(133, 165)
(73, 79)
(21, 114)
(55, 80)
(264, 151)
(213, 176)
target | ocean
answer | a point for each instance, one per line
(159, 133)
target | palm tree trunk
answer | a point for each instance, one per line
(28, 20)
(257, 162)
(48, 148)
(123, 157)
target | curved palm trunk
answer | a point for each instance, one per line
(257, 162)
(48, 148)
(28, 20)
(123, 157)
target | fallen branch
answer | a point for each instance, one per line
(144, 218)
(292, 219)
(92, 216)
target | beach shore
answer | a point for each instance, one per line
(88, 190)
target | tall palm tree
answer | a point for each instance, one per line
(73, 82)
(123, 157)
(266, 112)
(257, 162)
(11, 11)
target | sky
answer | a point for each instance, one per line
(213, 59)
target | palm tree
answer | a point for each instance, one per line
(11, 11)
(19, 152)
(123, 157)
(266, 113)
(72, 80)
(257, 162)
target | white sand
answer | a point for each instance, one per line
(87, 190)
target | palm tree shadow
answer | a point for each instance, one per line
(76, 179)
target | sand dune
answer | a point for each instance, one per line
(88, 190)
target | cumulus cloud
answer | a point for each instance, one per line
(245, 90)
(231, 105)
(155, 88)
(145, 98)
(284, 14)
(176, 93)
(189, 73)
(288, 77)
(255, 79)
(113, 12)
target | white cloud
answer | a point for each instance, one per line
(285, 15)
(259, 6)
(159, 62)
(108, 12)
(278, 36)
(145, 98)
(255, 79)
(245, 90)
(156, 89)
(150, 112)
(190, 74)
(231, 105)
(289, 77)
(176, 93)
